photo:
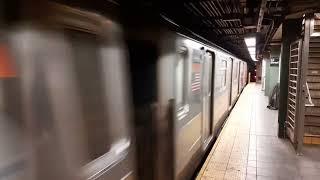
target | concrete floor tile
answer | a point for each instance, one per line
(210, 178)
(252, 170)
(238, 156)
(309, 171)
(214, 173)
(218, 161)
(238, 161)
(252, 158)
(252, 154)
(220, 155)
(264, 159)
(252, 163)
(307, 164)
(262, 164)
(310, 177)
(266, 172)
(266, 178)
(234, 175)
(251, 177)
(217, 166)
(236, 167)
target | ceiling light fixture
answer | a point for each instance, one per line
(251, 45)
(252, 49)
(250, 41)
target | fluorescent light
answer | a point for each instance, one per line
(250, 41)
(253, 56)
(252, 49)
(251, 45)
(315, 34)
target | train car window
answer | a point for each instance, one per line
(181, 77)
(209, 73)
(236, 70)
(196, 74)
(98, 81)
(221, 75)
(179, 80)
(89, 82)
(224, 76)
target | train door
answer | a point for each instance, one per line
(235, 81)
(182, 106)
(207, 97)
(100, 79)
(239, 77)
(231, 83)
(188, 95)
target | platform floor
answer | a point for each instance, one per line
(248, 146)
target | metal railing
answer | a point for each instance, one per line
(310, 103)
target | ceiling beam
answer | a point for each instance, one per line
(225, 17)
(261, 14)
(198, 1)
(275, 43)
(221, 28)
(227, 36)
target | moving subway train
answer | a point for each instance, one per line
(84, 98)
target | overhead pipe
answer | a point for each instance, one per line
(196, 9)
(269, 35)
(202, 5)
(188, 8)
(271, 31)
(226, 7)
(209, 8)
(213, 8)
(221, 8)
(216, 9)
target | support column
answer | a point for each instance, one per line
(303, 80)
(291, 29)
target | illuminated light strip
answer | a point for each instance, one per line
(251, 45)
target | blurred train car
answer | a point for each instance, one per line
(71, 83)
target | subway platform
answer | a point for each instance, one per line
(248, 146)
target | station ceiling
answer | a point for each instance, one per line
(227, 22)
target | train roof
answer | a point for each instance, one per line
(190, 34)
